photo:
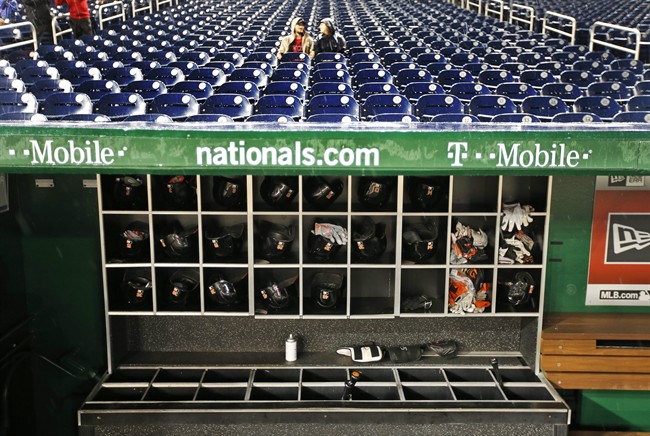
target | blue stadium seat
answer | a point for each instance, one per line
(518, 118)
(453, 118)
(279, 104)
(427, 58)
(368, 89)
(93, 118)
(363, 57)
(396, 67)
(106, 66)
(57, 106)
(447, 78)
(176, 105)
(536, 78)
(12, 102)
(554, 67)
(200, 58)
(414, 91)
(496, 59)
(330, 57)
(185, 66)
(269, 118)
(626, 77)
(15, 85)
(593, 66)
(25, 64)
(515, 91)
(255, 75)
(296, 57)
(64, 65)
(53, 53)
(264, 66)
(148, 89)
(412, 75)
(543, 107)
(263, 57)
(485, 107)
(33, 74)
(119, 106)
(22, 117)
(466, 91)
(9, 72)
(632, 117)
(580, 78)
(332, 104)
(395, 118)
(642, 88)
(235, 58)
(331, 76)
(96, 89)
(331, 118)
(604, 107)
(385, 104)
(516, 68)
(494, 78)
(286, 88)
(149, 118)
(214, 76)
(45, 87)
(168, 75)
(371, 76)
(633, 65)
(291, 76)
(241, 87)
(576, 117)
(330, 88)
(145, 66)
(235, 106)
(639, 103)
(616, 90)
(431, 105)
(209, 118)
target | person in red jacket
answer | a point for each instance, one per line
(79, 16)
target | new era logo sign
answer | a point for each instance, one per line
(628, 238)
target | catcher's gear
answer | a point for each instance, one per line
(468, 245)
(369, 240)
(371, 353)
(274, 240)
(426, 192)
(326, 289)
(177, 242)
(516, 249)
(520, 291)
(229, 192)
(375, 192)
(516, 215)
(444, 348)
(225, 242)
(180, 192)
(182, 283)
(279, 192)
(321, 193)
(134, 240)
(467, 291)
(419, 241)
(325, 240)
(223, 291)
(136, 286)
(278, 295)
(129, 192)
(417, 302)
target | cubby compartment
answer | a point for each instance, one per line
(127, 238)
(421, 375)
(274, 393)
(532, 241)
(319, 249)
(277, 291)
(424, 240)
(514, 375)
(426, 194)
(372, 392)
(423, 290)
(176, 239)
(374, 194)
(473, 251)
(526, 190)
(425, 392)
(471, 290)
(477, 194)
(372, 291)
(225, 289)
(326, 194)
(226, 376)
(178, 289)
(277, 239)
(221, 393)
(174, 192)
(376, 375)
(518, 290)
(276, 375)
(180, 393)
(224, 193)
(224, 239)
(324, 375)
(324, 291)
(477, 393)
(179, 376)
(121, 393)
(527, 393)
(131, 376)
(468, 375)
(126, 192)
(372, 239)
(276, 193)
(322, 392)
(130, 289)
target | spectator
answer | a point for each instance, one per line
(8, 11)
(299, 41)
(329, 39)
(79, 16)
(39, 14)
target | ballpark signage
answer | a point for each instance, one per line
(291, 151)
(619, 264)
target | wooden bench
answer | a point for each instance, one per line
(597, 351)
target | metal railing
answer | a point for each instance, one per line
(559, 30)
(148, 7)
(16, 31)
(490, 11)
(522, 15)
(473, 4)
(161, 3)
(104, 9)
(593, 40)
(55, 25)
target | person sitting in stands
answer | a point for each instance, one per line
(79, 16)
(299, 41)
(329, 40)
